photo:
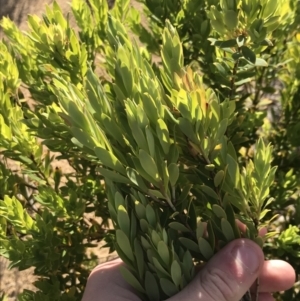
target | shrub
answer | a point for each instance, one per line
(207, 134)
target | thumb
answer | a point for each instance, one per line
(227, 276)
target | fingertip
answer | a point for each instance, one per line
(277, 275)
(247, 255)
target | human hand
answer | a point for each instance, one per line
(226, 277)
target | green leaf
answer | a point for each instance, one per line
(186, 127)
(232, 219)
(205, 248)
(222, 129)
(83, 137)
(168, 287)
(140, 210)
(231, 19)
(176, 273)
(112, 212)
(144, 225)
(160, 268)
(210, 167)
(259, 241)
(113, 176)
(261, 62)
(201, 227)
(218, 178)
(209, 191)
(248, 54)
(227, 230)
(119, 200)
(139, 137)
(235, 201)
(155, 193)
(124, 244)
(163, 252)
(148, 164)
(151, 216)
(223, 44)
(150, 256)
(266, 42)
(231, 150)
(242, 82)
(189, 244)
(139, 255)
(155, 238)
(178, 227)
(221, 70)
(163, 135)
(188, 265)
(263, 213)
(219, 212)
(173, 173)
(142, 172)
(218, 26)
(133, 226)
(136, 178)
(268, 202)
(173, 154)
(165, 236)
(233, 171)
(78, 117)
(211, 234)
(150, 141)
(150, 107)
(109, 160)
(165, 177)
(131, 279)
(151, 287)
(146, 245)
(123, 220)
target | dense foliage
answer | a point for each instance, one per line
(190, 118)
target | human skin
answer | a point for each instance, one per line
(226, 277)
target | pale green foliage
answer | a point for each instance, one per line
(289, 240)
(179, 130)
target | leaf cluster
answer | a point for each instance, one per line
(171, 153)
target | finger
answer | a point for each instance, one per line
(263, 231)
(275, 276)
(106, 283)
(243, 228)
(227, 276)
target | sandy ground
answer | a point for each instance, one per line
(18, 10)
(12, 282)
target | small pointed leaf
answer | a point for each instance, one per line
(168, 287)
(178, 227)
(205, 248)
(227, 230)
(189, 244)
(124, 244)
(176, 273)
(131, 279)
(151, 286)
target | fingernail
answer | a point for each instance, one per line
(246, 257)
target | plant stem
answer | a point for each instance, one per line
(247, 297)
(234, 72)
